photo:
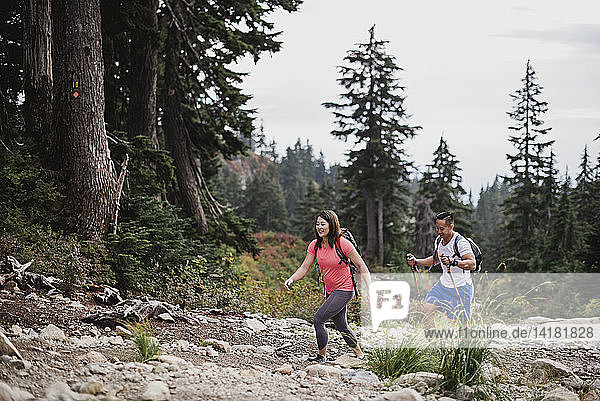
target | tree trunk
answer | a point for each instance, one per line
(176, 133)
(88, 170)
(371, 225)
(380, 228)
(107, 9)
(37, 68)
(144, 53)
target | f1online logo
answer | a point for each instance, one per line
(389, 300)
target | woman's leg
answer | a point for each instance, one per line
(334, 304)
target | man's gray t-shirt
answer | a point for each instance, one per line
(461, 277)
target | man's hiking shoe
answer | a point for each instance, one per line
(317, 359)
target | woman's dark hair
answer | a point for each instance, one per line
(335, 229)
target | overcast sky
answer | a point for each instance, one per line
(461, 60)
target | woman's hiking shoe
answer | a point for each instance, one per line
(317, 359)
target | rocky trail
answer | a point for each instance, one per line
(48, 352)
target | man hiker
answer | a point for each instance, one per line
(454, 290)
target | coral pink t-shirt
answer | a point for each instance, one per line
(336, 275)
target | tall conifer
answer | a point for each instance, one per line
(372, 114)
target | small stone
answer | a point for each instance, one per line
(16, 330)
(243, 348)
(51, 332)
(429, 378)
(91, 387)
(8, 393)
(174, 361)
(464, 392)
(323, 371)
(20, 364)
(156, 391)
(406, 394)
(116, 340)
(560, 394)
(266, 349)
(182, 345)
(7, 348)
(94, 357)
(122, 331)
(223, 346)
(255, 325)
(286, 369)
(166, 317)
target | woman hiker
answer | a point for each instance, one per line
(339, 286)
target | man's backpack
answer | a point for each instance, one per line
(343, 258)
(474, 248)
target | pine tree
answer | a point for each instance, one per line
(441, 185)
(263, 201)
(565, 235)
(531, 167)
(372, 113)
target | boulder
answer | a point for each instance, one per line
(554, 369)
(361, 376)
(223, 346)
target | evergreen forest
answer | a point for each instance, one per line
(129, 157)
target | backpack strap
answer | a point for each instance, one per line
(344, 259)
(436, 243)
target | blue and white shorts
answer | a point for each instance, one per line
(448, 300)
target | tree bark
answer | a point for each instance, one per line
(380, 229)
(88, 169)
(108, 9)
(37, 68)
(370, 251)
(175, 130)
(143, 72)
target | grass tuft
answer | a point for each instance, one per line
(147, 347)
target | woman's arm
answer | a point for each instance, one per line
(302, 270)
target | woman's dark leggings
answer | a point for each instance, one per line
(334, 308)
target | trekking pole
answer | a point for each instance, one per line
(457, 293)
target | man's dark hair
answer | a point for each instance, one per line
(446, 216)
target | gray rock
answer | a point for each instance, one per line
(16, 330)
(464, 392)
(361, 376)
(323, 371)
(93, 357)
(166, 317)
(182, 345)
(592, 395)
(446, 399)
(20, 364)
(560, 394)
(156, 391)
(406, 394)
(429, 378)
(7, 348)
(92, 387)
(255, 325)
(8, 393)
(554, 369)
(51, 332)
(265, 349)
(243, 348)
(220, 345)
(174, 361)
(60, 392)
(286, 369)
(348, 361)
